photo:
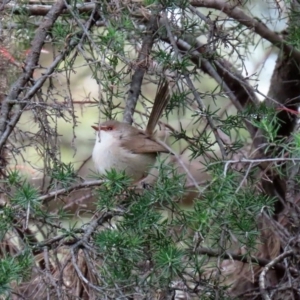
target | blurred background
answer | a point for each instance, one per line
(79, 92)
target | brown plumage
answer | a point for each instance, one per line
(123, 147)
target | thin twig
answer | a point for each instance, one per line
(42, 10)
(80, 275)
(141, 65)
(192, 88)
(245, 259)
(177, 157)
(253, 161)
(262, 276)
(30, 65)
(233, 11)
(52, 195)
(209, 119)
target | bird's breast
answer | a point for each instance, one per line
(108, 154)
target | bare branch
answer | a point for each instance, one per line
(42, 10)
(245, 259)
(6, 126)
(193, 89)
(52, 195)
(271, 264)
(141, 65)
(30, 65)
(233, 11)
(236, 87)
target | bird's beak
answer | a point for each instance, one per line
(95, 127)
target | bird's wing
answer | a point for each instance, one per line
(141, 143)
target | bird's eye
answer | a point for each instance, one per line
(109, 128)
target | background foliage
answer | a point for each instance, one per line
(218, 219)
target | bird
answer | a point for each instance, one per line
(123, 147)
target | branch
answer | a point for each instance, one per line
(42, 10)
(30, 65)
(48, 197)
(235, 86)
(86, 232)
(271, 264)
(193, 89)
(141, 66)
(262, 161)
(233, 11)
(246, 259)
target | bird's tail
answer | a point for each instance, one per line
(160, 102)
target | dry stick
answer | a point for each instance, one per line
(244, 178)
(49, 275)
(192, 88)
(80, 275)
(206, 67)
(91, 267)
(221, 243)
(51, 241)
(211, 71)
(252, 161)
(262, 276)
(141, 66)
(76, 241)
(83, 164)
(104, 217)
(233, 11)
(42, 10)
(30, 65)
(177, 157)
(52, 195)
(209, 119)
(90, 229)
(245, 259)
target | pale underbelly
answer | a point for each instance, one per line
(135, 166)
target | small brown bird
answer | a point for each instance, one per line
(123, 147)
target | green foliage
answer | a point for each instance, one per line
(61, 30)
(169, 261)
(115, 184)
(14, 178)
(142, 231)
(229, 206)
(114, 40)
(177, 102)
(123, 251)
(14, 269)
(169, 184)
(64, 174)
(149, 2)
(6, 219)
(147, 239)
(26, 196)
(293, 36)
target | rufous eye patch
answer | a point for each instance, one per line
(104, 128)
